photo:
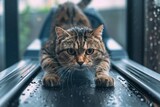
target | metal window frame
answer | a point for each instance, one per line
(11, 32)
(135, 30)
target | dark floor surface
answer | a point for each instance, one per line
(85, 94)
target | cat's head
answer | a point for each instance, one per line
(79, 47)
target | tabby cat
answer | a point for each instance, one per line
(74, 45)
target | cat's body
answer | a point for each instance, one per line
(74, 45)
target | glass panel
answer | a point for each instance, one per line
(2, 63)
(32, 14)
(114, 15)
(152, 34)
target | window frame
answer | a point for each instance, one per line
(11, 43)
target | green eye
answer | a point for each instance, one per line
(89, 51)
(71, 51)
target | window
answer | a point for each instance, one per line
(152, 35)
(143, 40)
(31, 17)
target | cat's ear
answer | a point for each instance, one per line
(98, 32)
(60, 32)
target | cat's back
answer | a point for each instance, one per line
(70, 14)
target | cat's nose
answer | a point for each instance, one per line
(80, 63)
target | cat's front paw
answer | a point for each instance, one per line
(51, 80)
(104, 81)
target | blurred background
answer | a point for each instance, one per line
(31, 16)
(117, 14)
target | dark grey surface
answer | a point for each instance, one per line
(14, 78)
(84, 94)
(144, 77)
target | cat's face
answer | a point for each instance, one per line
(79, 47)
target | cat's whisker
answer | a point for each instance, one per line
(63, 75)
(69, 76)
(66, 75)
(72, 77)
(91, 72)
(90, 69)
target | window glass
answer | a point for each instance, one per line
(32, 14)
(152, 34)
(114, 15)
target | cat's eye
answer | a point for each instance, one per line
(71, 51)
(89, 51)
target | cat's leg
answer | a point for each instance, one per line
(49, 65)
(51, 77)
(102, 78)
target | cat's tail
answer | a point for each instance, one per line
(84, 3)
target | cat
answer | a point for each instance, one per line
(74, 44)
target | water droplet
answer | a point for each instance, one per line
(151, 104)
(155, 68)
(147, 29)
(100, 103)
(151, 19)
(71, 95)
(129, 95)
(136, 92)
(155, 28)
(151, 44)
(139, 96)
(133, 89)
(142, 99)
(83, 100)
